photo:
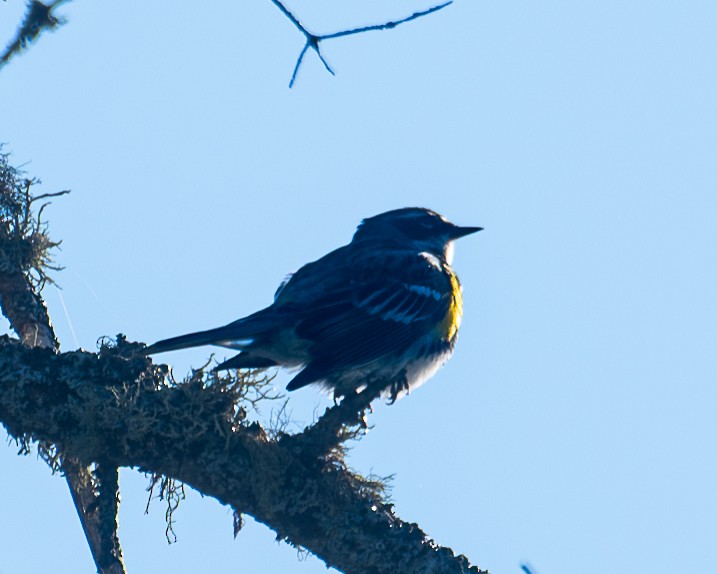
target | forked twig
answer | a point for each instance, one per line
(313, 40)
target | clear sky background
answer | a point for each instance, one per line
(575, 426)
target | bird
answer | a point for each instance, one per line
(381, 312)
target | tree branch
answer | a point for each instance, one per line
(313, 40)
(96, 498)
(26, 311)
(25, 247)
(39, 18)
(116, 406)
(387, 25)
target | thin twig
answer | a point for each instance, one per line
(290, 16)
(387, 25)
(298, 64)
(313, 41)
(35, 198)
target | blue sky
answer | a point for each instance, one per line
(574, 428)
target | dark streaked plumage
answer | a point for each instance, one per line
(382, 310)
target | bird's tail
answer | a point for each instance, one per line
(237, 335)
(210, 337)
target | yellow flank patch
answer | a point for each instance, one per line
(449, 326)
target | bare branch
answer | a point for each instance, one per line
(313, 41)
(96, 498)
(39, 18)
(387, 25)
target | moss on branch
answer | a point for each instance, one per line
(116, 407)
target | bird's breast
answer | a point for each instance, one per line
(448, 327)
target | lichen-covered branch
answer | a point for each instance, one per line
(24, 257)
(92, 413)
(26, 311)
(117, 407)
(24, 261)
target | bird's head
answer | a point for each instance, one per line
(414, 228)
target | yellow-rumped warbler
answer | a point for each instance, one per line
(382, 310)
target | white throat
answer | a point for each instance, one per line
(449, 253)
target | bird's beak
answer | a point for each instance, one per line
(458, 231)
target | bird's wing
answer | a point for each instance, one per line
(302, 290)
(385, 308)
